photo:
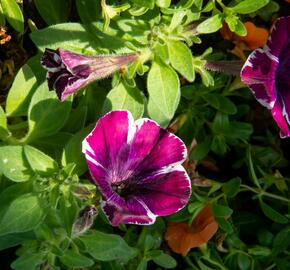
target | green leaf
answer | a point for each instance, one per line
(221, 210)
(53, 145)
(244, 261)
(46, 114)
(166, 261)
(13, 14)
(13, 164)
(15, 239)
(224, 224)
(236, 25)
(221, 124)
(279, 243)
(164, 93)
(272, 213)
(259, 251)
(70, 36)
(106, 247)
(40, 162)
(142, 265)
(200, 150)
(218, 145)
(161, 50)
(53, 11)
(72, 152)
(28, 261)
(3, 120)
(2, 17)
(240, 130)
(23, 214)
(144, 3)
(232, 187)
(125, 97)
(249, 6)
(163, 3)
(181, 59)
(76, 120)
(73, 259)
(4, 132)
(89, 10)
(221, 103)
(210, 25)
(21, 92)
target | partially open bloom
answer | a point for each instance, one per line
(69, 71)
(266, 72)
(181, 237)
(137, 168)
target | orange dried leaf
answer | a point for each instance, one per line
(181, 237)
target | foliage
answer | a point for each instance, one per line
(236, 162)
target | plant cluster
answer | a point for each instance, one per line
(82, 167)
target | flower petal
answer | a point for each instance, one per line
(105, 142)
(166, 192)
(76, 63)
(178, 238)
(283, 80)
(259, 74)
(73, 84)
(51, 60)
(156, 146)
(277, 113)
(280, 36)
(130, 212)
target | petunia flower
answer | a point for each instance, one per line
(266, 72)
(181, 237)
(137, 168)
(69, 71)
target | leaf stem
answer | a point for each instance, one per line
(264, 193)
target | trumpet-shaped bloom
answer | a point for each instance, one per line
(69, 71)
(181, 237)
(137, 168)
(266, 72)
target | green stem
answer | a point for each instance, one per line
(264, 193)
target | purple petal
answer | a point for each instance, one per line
(283, 80)
(259, 74)
(73, 85)
(104, 143)
(277, 113)
(167, 150)
(98, 66)
(130, 212)
(167, 192)
(279, 37)
(51, 60)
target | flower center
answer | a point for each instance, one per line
(125, 188)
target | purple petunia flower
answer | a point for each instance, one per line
(69, 71)
(137, 168)
(267, 73)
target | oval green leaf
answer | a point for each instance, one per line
(125, 97)
(23, 214)
(13, 14)
(164, 93)
(21, 92)
(181, 59)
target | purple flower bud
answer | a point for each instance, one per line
(69, 71)
(266, 72)
(85, 220)
(137, 168)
